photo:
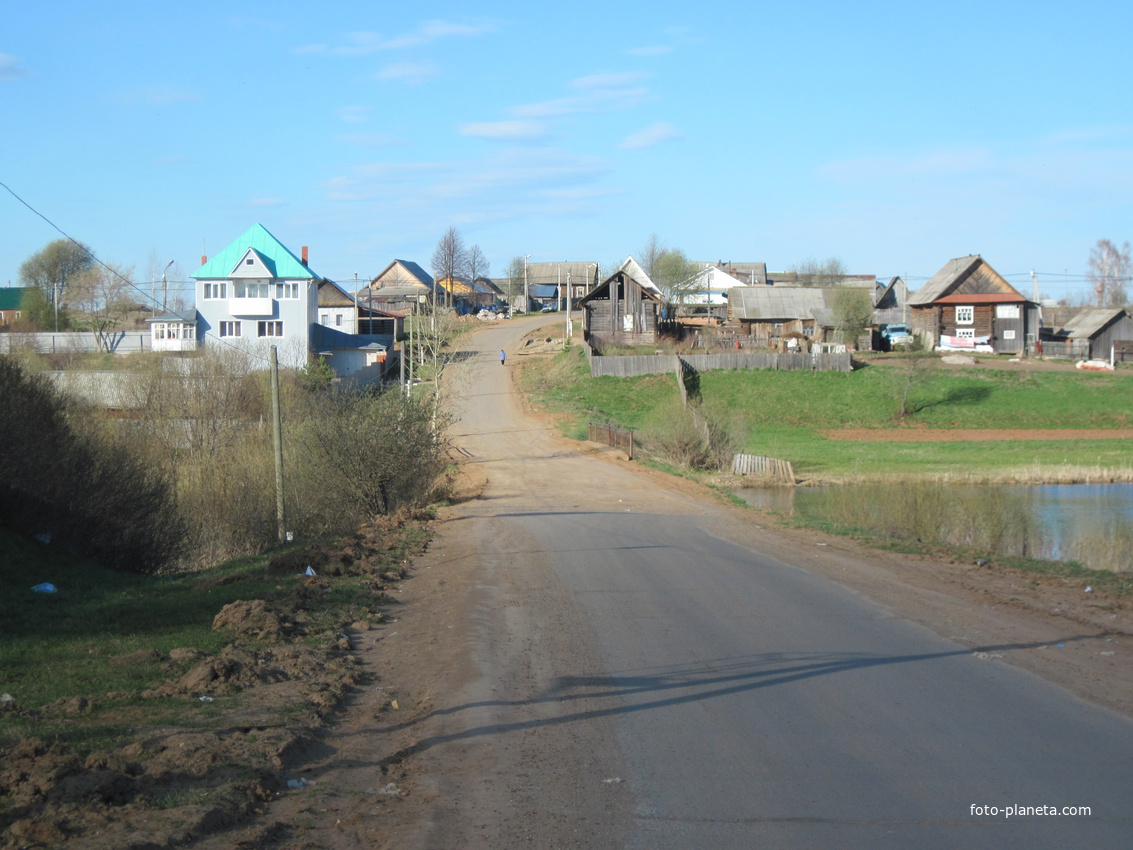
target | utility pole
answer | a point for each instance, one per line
(277, 444)
(165, 287)
(526, 294)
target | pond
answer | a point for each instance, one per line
(1088, 523)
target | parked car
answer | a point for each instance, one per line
(550, 308)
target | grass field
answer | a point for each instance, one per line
(786, 415)
(104, 636)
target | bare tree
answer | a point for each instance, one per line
(450, 258)
(650, 254)
(478, 265)
(1108, 272)
(515, 269)
(104, 296)
(811, 272)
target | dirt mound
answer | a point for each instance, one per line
(172, 786)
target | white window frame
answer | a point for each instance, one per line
(288, 291)
(965, 333)
(215, 291)
(965, 315)
(270, 328)
(1009, 333)
(230, 329)
(1007, 311)
(251, 289)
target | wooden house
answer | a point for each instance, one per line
(767, 314)
(968, 305)
(621, 310)
(1093, 333)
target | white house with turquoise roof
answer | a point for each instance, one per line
(255, 294)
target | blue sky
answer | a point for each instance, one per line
(892, 135)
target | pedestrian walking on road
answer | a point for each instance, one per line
(503, 358)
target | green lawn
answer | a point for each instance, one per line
(786, 413)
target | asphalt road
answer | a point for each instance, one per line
(635, 679)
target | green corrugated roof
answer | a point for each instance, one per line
(10, 297)
(282, 262)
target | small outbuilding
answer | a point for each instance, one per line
(1093, 333)
(621, 310)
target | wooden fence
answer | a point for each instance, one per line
(619, 438)
(630, 366)
(765, 468)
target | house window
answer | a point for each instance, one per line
(965, 315)
(1009, 334)
(323, 317)
(338, 320)
(1007, 311)
(229, 329)
(249, 262)
(965, 333)
(287, 290)
(159, 331)
(216, 290)
(251, 290)
(270, 328)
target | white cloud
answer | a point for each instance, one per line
(430, 31)
(153, 96)
(415, 73)
(660, 132)
(505, 130)
(11, 69)
(609, 81)
(371, 140)
(503, 177)
(354, 114)
(936, 163)
(363, 43)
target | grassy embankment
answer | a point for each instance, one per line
(788, 414)
(103, 637)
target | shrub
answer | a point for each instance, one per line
(79, 490)
(687, 436)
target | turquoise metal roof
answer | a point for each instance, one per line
(10, 297)
(281, 262)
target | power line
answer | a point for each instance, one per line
(247, 350)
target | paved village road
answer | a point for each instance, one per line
(631, 677)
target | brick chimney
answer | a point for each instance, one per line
(204, 259)
(304, 250)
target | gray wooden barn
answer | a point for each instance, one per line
(621, 310)
(1094, 332)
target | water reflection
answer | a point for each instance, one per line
(1088, 523)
